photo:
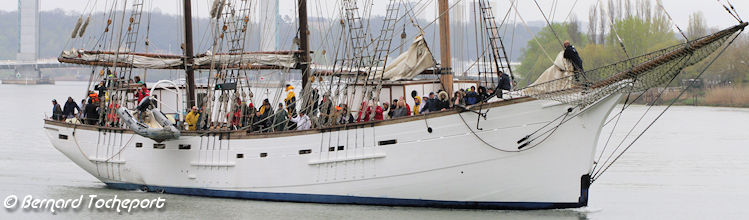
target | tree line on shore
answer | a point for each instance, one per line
(639, 27)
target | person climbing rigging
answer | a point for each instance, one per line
(570, 53)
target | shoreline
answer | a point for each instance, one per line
(725, 96)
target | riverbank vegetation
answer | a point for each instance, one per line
(617, 30)
(723, 96)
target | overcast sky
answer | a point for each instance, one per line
(679, 9)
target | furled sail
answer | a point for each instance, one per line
(136, 60)
(562, 70)
(249, 60)
(411, 63)
(259, 59)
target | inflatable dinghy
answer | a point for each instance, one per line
(160, 131)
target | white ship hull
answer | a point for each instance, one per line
(450, 167)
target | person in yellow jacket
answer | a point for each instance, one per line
(417, 105)
(290, 100)
(192, 119)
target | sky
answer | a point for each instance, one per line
(678, 9)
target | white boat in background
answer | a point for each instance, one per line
(534, 149)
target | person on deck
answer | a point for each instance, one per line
(92, 112)
(443, 102)
(56, 111)
(401, 110)
(140, 96)
(458, 99)
(265, 112)
(290, 100)
(392, 107)
(192, 119)
(408, 107)
(326, 109)
(142, 93)
(423, 106)
(137, 80)
(81, 106)
(202, 123)
(302, 121)
(417, 105)
(472, 97)
(235, 116)
(93, 96)
(335, 115)
(279, 121)
(505, 83)
(363, 113)
(314, 106)
(570, 53)
(101, 88)
(429, 104)
(387, 110)
(248, 114)
(378, 116)
(68, 111)
(345, 116)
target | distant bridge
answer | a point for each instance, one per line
(37, 64)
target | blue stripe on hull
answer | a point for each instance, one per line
(337, 199)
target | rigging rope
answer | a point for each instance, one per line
(598, 174)
(671, 20)
(571, 10)
(733, 14)
(551, 27)
(517, 12)
(618, 116)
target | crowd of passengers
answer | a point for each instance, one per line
(316, 112)
(322, 112)
(92, 108)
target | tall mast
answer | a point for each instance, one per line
(446, 72)
(304, 43)
(190, 78)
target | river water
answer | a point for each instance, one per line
(692, 164)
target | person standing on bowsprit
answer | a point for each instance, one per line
(570, 53)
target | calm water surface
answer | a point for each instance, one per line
(692, 164)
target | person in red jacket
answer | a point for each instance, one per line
(363, 111)
(378, 113)
(142, 93)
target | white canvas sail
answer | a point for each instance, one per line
(411, 63)
(562, 68)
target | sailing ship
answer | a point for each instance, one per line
(533, 148)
